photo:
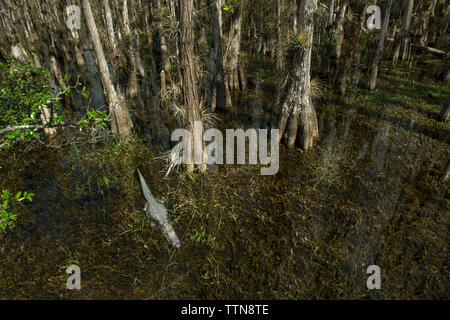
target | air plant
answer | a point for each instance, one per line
(171, 93)
(209, 119)
(296, 44)
(318, 88)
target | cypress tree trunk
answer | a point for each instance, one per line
(109, 23)
(332, 48)
(401, 46)
(279, 52)
(426, 24)
(121, 122)
(132, 79)
(298, 113)
(234, 73)
(163, 48)
(377, 58)
(342, 78)
(218, 82)
(189, 77)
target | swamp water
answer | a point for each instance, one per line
(367, 194)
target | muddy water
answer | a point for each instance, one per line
(367, 194)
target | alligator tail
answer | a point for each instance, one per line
(170, 234)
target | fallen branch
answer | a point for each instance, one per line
(429, 49)
(31, 126)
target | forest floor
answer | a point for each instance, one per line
(368, 193)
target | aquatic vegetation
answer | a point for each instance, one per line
(354, 200)
(7, 218)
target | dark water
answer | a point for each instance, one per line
(367, 194)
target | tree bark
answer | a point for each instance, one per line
(279, 49)
(163, 46)
(344, 71)
(298, 113)
(136, 42)
(190, 91)
(109, 24)
(234, 73)
(120, 118)
(218, 83)
(332, 47)
(426, 24)
(377, 58)
(401, 46)
(132, 78)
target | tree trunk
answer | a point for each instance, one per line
(136, 42)
(121, 122)
(298, 113)
(426, 24)
(279, 49)
(109, 24)
(342, 78)
(218, 83)
(234, 74)
(378, 55)
(331, 10)
(190, 91)
(404, 40)
(332, 47)
(132, 78)
(163, 45)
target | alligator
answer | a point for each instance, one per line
(157, 211)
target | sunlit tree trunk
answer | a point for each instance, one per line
(279, 48)
(298, 117)
(234, 71)
(120, 118)
(401, 46)
(109, 23)
(331, 12)
(378, 54)
(426, 23)
(190, 91)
